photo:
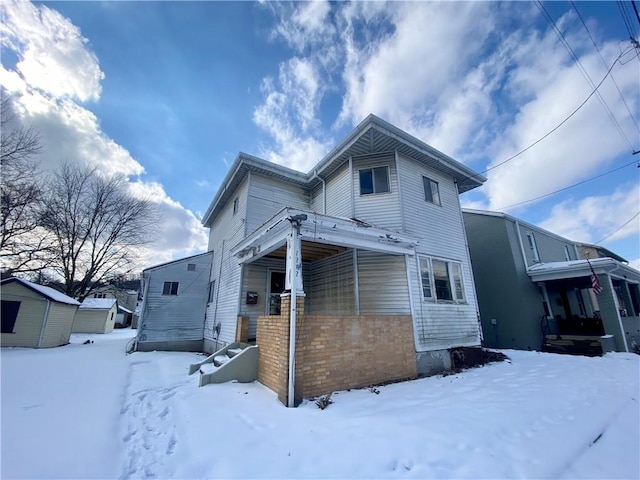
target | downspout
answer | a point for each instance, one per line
(44, 323)
(324, 191)
(142, 309)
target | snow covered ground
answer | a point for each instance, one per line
(90, 411)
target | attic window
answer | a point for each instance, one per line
(374, 180)
(191, 267)
(235, 205)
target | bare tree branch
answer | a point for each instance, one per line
(97, 225)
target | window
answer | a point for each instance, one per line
(235, 205)
(431, 191)
(532, 245)
(212, 289)
(191, 267)
(441, 280)
(99, 295)
(9, 315)
(567, 255)
(374, 180)
(170, 288)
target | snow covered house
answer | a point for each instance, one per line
(96, 315)
(34, 315)
(370, 243)
(536, 291)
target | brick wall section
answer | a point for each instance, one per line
(242, 329)
(334, 352)
(340, 352)
(272, 338)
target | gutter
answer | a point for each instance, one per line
(44, 323)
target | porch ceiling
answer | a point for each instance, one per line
(311, 251)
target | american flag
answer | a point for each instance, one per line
(595, 283)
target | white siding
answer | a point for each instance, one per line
(168, 318)
(267, 196)
(442, 235)
(338, 188)
(317, 199)
(95, 321)
(226, 231)
(383, 284)
(380, 209)
(331, 287)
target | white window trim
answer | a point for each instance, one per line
(431, 182)
(373, 180)
(452, 286)
(533, 246)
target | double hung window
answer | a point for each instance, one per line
(431, 190)
(170, 288)
(441, 280)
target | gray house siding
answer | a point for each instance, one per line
(177, 320)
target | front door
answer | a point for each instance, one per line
(276, 287)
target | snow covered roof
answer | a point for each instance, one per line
(123, 309)
(98, 303)
(48, 292)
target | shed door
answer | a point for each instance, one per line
(276, 287)
(9, 314)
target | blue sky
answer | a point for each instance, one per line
(169, 92)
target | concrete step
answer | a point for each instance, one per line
(232, 352)
(220, 360)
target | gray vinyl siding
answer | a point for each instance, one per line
(382, 280)
(267, 196)
(331, 287)
(168, 318)
(550, 247)
(59, 323)
(226, 231)
(338, 191)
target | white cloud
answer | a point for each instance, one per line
(290, 114)
(53, 53)
(55, 69)
(635, 263)
(593, 218)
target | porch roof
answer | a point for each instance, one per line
(580, 268)
(321, 229)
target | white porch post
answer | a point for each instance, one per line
(293, 283)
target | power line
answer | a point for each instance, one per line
(584, 72)
(570, 186)
(625, 18)
(554, 128)
(604, 62)
(635, 9)
(618, 229)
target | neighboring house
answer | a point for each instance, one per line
(534, 285)
(174, 299)
(34, 315)
(126, 298)
(124, 317)
(370, 242)
(96, 315)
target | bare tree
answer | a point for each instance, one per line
(23, 248)
(97, 225)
